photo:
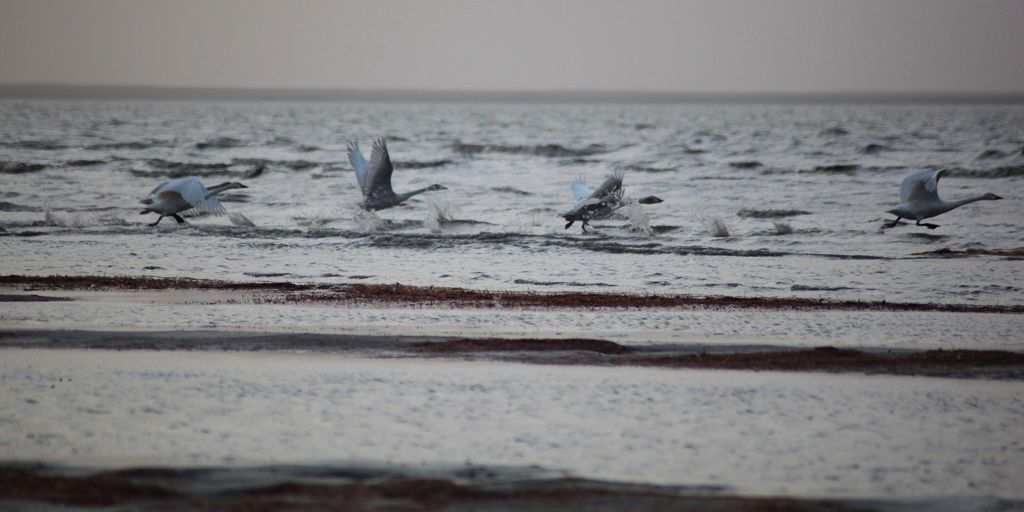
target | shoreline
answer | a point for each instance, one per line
(956, 363)
(285, 292)
(375, 487)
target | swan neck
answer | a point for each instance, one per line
(961, 202)
(217, 189)
(406, 195)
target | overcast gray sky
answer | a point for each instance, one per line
(727, 46)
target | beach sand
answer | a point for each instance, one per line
(125, 413)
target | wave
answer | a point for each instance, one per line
(834, 131)
(641, 168)
(874, 149)
(267, 274)
(174, 169)
(559, 283)
(946, 252)
(220, 143)
(769, 214)
(1006, 171)
(749, 164)
(13, 207)
(160, 163)
(548, 150)
(36, 144)
(294, 165)
(833, 169)
(83, 163)
(512, 190)
(811, 288)
(422, 164)
(9, 167)
(991, 154)
(106, 146)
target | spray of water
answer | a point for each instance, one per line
(781, 228)
(638, 220)
(439, 214)
(240, 220)
(311, 220)
(366, 220)
(65, 219)
(716, 226)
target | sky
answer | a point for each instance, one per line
(699, 46)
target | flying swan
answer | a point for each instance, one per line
(184, 194)
(375, 177)
(919, 199)
(600, 203)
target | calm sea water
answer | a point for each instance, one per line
(760, 200)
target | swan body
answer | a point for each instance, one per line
(599, 203)
(919, 199)
(185, 194)
(374, 177)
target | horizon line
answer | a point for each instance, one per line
(342, 94)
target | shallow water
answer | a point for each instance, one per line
(194, 311)
(800, 189)
(754, 433)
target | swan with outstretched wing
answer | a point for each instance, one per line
(184, 195)
(374, 177)
(599, 203)
(919, 199)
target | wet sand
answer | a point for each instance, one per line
(721, 433)
(283, 292)
(347, 488)
(185, 484)
(983, 364)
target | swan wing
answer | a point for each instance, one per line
(611, 188)
(378, 178)
(580, 190)
(921, 186)
(151, 197)
(211, 206)
(359, 163)
(189, 188)
(189, 194)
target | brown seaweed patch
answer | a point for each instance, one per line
(284, 292)
(59, 282)
(946, 252)
(102, 490)
(994, 364)
(31, 298)
(520, 345)
(251, 489)
(835, 359)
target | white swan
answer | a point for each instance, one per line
(599, 203)
(184, 194)
(919, 199)
(374, 177)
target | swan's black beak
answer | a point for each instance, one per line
(242, 186)
(651, 200)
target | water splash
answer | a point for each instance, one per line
(638, 220)
(241, 220)
(66, 219)
(716, 226)
(366, 220)
(439, 214)
(781, 228)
